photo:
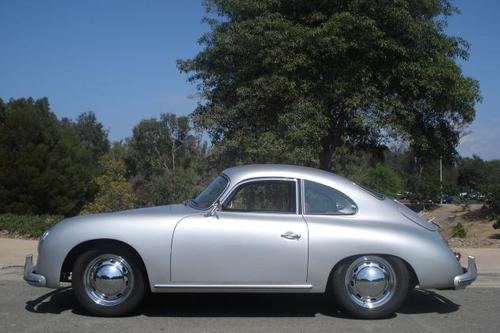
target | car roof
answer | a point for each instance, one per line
(365, 201)
(239, 173)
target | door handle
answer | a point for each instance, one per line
(291, 235)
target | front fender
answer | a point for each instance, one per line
(151, 238)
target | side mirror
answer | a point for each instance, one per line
(214, 209)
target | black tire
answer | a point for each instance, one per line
(392, 301)
(136, 289)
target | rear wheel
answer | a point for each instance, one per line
(371, 286)
(108, 281)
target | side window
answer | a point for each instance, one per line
(273, 196)
(324, 200)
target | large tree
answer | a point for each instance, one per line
(165, 160)
(92, 134)
(43, 166)
(295, 80)
(114, 191)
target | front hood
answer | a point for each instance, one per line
(165, 214)
(177, 209)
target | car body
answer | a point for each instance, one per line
(255, 228)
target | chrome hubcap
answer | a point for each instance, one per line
(370, 281)
(108, 279)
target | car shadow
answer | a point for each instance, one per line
(241, 305)
(427, 301)
(55, 302)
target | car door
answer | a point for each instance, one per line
(257, 237)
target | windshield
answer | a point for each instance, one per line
(207, 197)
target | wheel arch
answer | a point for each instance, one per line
(77, 250)
(413, 276)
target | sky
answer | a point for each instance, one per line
(118, 59)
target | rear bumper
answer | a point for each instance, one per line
(469, 275)
(30, 274)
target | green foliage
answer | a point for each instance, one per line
(459, 231)
(43, 167)
(384, 180)
(28, 225)
(317, 83)
(471, 174)
(175, 187)
(353, 164)
(114, 191)
(424, 187)
(165, 160)
(92, 134)
(493, 201)
(294, 81)
(483, 177)
(491, 186)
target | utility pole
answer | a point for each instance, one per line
(441, 179)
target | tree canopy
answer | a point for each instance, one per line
(369, 89)
(384, 180)
(43, 166)
(296, 80)
(165, 159)
(92, 134)
(114, 191)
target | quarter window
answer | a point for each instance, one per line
(324, 200)
(273, 196)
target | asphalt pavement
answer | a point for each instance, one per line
(30, 309)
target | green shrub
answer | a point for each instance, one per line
(384, 180)
(28, 225)
(459, 231)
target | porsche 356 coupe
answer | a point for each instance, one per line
(254, 228)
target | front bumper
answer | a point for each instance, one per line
(30, 274)
(469, 275)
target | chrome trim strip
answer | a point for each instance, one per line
(30, 276)
(234, 286)
(465, 279)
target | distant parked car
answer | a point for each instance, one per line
(404, 196)
(447, 199)
(256, 228)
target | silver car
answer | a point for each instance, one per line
(255, 228)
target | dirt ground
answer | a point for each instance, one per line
(479, 229)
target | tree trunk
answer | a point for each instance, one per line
(325, 157)
(328, 145)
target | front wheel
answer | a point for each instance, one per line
(371, 286)
(108, 281)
